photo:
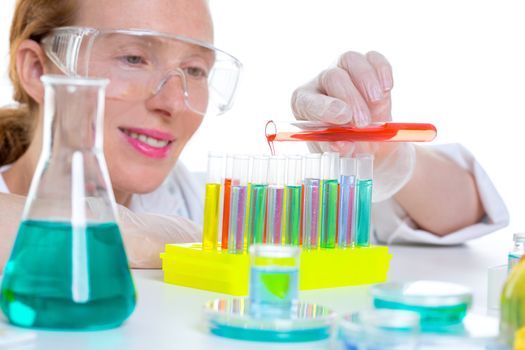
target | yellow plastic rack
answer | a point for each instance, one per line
(218, 271)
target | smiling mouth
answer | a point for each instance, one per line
(148, 140)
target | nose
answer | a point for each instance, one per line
(174, 75)
(170, 94)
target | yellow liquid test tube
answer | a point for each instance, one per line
(212, 202)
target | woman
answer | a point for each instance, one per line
(149, 119)
(143, 138)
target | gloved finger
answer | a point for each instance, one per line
(383, 69)
(381, 110)
(308, 103)
(363, 76)
(337, 83)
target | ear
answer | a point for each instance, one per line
(30, 65)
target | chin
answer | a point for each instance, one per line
(139, 183)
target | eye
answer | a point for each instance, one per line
(133, 60)
(196, 72)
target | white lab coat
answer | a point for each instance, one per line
(182, 194)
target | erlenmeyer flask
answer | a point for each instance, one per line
(68, 268)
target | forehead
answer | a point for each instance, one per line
(190, 18)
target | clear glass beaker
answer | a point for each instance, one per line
(68, 268)
(274, 280)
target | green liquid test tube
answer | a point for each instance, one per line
(293, 199)
(329, 198)
(275, 211)
(257, 201)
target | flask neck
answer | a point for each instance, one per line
(73, 118)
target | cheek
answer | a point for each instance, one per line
(190, 125)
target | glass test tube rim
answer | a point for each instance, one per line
(277, 171)
(312, 166)
(274, 251)
(330, 166)
(365, 166)
(297, 170)
(216, 167)
(259, 173)
(343, 168)
(228, 165)
(240, 177)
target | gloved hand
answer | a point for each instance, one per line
(357, 91)
(145, 235)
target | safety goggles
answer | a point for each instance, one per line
(142, 63)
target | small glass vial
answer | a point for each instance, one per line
(274, 280)
(517, 250)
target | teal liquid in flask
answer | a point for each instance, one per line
(68, 269)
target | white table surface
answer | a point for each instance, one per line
(169, 316)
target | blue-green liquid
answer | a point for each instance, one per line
(257, 213)
(436, 318)
(41, 282)
(364, 206)
(329, 213)
(268, 335)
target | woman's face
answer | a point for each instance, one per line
(144, 138)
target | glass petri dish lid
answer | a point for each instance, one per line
(423, 293)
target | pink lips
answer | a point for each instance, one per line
(144, 148)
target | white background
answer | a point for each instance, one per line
(459, 64)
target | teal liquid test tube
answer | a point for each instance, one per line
(329, 198)
(257, 200)
(238, 196)
(275, 210)
(294, 200)
(312, 197)
(365, 170)
(212, 201)
(346, 220)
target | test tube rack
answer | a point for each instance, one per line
(189, 265)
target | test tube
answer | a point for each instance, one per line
(257, 204)
(294, 200)
(274, 279)
(210, 229)
(274, 217)
(316, 131)
(329, 198)
(347, 202)
(365, 170)
(226, 201)
(238, 193)
(312, 182)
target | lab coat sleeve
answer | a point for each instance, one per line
(181, 194)
(391, 224)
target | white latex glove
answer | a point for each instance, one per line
(145, 235)
(357, 91)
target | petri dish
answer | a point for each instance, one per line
(439, 304)
(232, 318)
(379, 329)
